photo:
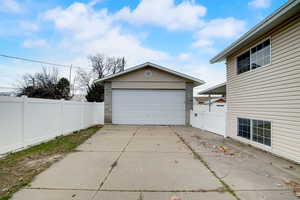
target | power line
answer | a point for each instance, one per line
(39, 61)
(8, 88)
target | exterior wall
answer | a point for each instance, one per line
(270, 93)
(188, 102)
(158, 80)
(107, 103)
(148, 85)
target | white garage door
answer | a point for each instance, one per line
(164, 107)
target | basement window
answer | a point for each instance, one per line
(256, 130)
(244, 128)
(261, 131)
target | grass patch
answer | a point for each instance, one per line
(18, 169)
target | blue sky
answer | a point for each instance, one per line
(182, 35)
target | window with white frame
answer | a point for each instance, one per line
(255, 130)
(261, 132)
(255, 57)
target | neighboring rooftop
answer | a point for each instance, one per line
(215, 90)
(289, 9)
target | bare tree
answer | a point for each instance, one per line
(101, 66)
(45, 84)
(84, 78)
(117, 64)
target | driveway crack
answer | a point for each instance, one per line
(199, 157)
(114, 164)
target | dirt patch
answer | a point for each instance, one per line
(18, 169)
(23, 170)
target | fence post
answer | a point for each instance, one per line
(24, 112)
(62, 116)
(94, 112)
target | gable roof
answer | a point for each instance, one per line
(196, 81)
(289, 9)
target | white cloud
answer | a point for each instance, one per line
(88, 31)
(166, 13)
(94, 2)
(260, 3)
(28, 26)
(184, 56)
(80, 21)
(203, 43)
(10, 6)
(85, 31)
(34, 43)
(222, 28)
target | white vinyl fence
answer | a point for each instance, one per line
(211, 121)
(27, 121)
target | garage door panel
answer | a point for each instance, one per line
(148, 107)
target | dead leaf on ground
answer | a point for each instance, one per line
(220, 149)
(291, 183)
(297, 192)
(175, 198)
(294, 185)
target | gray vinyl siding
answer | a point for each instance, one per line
(270, 93)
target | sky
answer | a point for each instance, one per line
(179, 34)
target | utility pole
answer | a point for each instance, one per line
(70, 77)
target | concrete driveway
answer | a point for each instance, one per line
(155, 163)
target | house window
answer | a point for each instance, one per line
(256, 130)
(261, 131)
(243, 62)
(257, 56)
(261, 55)
(244, 128)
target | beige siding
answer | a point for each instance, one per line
(270, 93)
(147, 85)
(158, 80)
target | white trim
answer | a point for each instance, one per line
(267, 24)
(249, 49)
(195, 80)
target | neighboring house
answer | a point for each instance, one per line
(218, 105)
(203, 99)
(215, 100)
(149, 94)
(263, 84)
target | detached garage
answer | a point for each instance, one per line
(148, 94)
